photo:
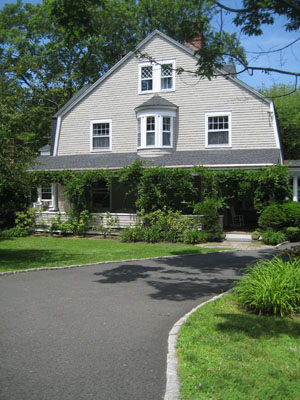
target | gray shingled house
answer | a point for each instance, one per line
(142, 109)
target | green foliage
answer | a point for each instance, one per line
(292, 234)
(76, 224)
(195, 236)
(161, 225)
(104, 224)
(25, 219)
(271, 237)
(271, 287)
(14, 232)
(14, 181)
(292, 213)
(288, 115)
(279, 216)
(160, 187)
(209, 217)
(272, 217)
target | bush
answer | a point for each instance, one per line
(14, 232)
(193, 237)
(273, 217)
(273, 238)
(135, 234)
(209, 216)
(292, 213)
(271, 287)
(25, 219)
(292, 234)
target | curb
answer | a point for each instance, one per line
(172, 384)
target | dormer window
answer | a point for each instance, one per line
(157, 76)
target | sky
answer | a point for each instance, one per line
(274, 37)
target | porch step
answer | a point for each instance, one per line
(238, 237)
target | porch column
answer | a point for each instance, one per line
(295, 188)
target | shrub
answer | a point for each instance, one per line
(194, 236)
(25, 219)
(273, 238)
(292, 234)
(255, 235)
(135, 234)
(14, 232)
(271, 287)
(272, 217)
(292, 213)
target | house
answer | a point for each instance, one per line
(143, 109)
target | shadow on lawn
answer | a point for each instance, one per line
(11, 260)
(256, 326)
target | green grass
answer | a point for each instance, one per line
(38, 252)
(227, 354)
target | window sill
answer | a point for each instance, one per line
(100, 150)
(218, 146)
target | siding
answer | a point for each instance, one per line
(117, 97)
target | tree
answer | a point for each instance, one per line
(14, 181)
(288, 115)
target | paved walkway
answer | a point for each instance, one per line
(100, 331)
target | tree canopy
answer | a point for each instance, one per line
(288, 115)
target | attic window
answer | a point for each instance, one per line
(218, 129)
(157, 77)
(100, 135)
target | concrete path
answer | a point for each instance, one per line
(100, 332)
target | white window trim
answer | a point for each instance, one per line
(158, 114)
(51, 202)
(218, 114)
(156, 76)
(100, 121)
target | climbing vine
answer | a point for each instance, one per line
(160, 187)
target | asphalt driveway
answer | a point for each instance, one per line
(100, 331)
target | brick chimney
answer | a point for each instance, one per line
(196, 43)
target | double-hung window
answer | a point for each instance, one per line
(218, 129)
(155, 129)
(157, 76)
(100, 135)
(147, 78)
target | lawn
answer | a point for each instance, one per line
(225, 353)
(38, 251)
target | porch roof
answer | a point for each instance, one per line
(185, 159)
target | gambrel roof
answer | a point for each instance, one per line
(83, 92)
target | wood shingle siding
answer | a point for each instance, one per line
(117, 97)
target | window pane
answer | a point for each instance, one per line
(150, 139)
(46, 192)
(146, 85)
(147, 72)
(218, 137)
(150, 124)
(166, 123)
(101, 142)
(101, 129)
(166, 83)
(166, 139)
(166, 70)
